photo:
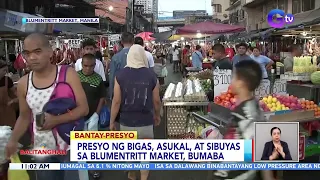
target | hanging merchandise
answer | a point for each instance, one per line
(74, 43)
(113, 40)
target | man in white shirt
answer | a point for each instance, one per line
(89, 47)
(139, 41)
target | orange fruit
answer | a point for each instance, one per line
(315, 106)
(311, 102)
(308, 106)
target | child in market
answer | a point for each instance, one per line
(246, 78)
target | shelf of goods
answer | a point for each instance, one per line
(303, 67)
(179, 101)
(304, 70)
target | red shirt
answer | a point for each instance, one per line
(230, 52)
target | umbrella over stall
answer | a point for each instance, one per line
(208, 27)
(172, 36)
(146, 36)
(163, 36)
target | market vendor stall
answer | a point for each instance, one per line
(180, 101)
(276, 100)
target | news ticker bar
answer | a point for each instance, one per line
(164, 166)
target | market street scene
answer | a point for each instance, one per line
(213, 70)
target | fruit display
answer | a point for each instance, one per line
(304, 64)
(206, 85)
(310, 105)
(279, 103)
(227, 99)
(315, 77)
(274, 103)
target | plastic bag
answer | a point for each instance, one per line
(164, 72)
(5, 134)
(211, 132)
(17, 174)
(104, 117)
(19, 63)
(92, 123)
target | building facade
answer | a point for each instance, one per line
(147, 4)
(257, 10)
(219, 12)
(237, 14)
(155, 8)
(197, 19)
(184, 14)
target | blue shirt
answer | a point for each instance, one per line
(118, 61)
(136, 109)
(237, 58)
(197, 59)
(263, 61)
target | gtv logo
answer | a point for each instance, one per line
(280, 20)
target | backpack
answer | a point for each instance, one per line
(62, 101)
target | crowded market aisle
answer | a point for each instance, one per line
(197, 175)
(159, 134)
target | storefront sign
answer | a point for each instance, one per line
(113, 40)
(280, 87)
(302, 144)
(221, 80)
(13, 20)
(263, 89)
(74, 43)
